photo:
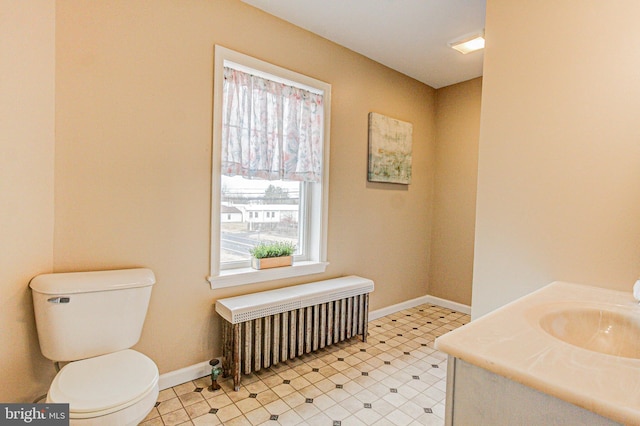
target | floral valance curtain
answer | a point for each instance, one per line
(270, 130)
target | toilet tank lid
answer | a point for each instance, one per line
(87, 282)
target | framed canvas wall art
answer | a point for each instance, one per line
(389, 150)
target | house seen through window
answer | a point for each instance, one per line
(265, 211)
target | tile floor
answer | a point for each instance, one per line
(395, 378)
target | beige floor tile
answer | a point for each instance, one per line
(323, 402)
(249, 378)
(435, 394)
(203, 382)
(290, 418)
(310, 391)
(267, 397)
(313, 377)
(227, 413)
(288, 374)
(306, 410)
(153, 422)
(427, 420)
(248, 404)
(407, 391)
(365, 381)
(198, 409)
(328, 385)
(258, 416)
(303, 369)
(175, 417)
(294, 399)
(238, 395)
(299, 383)
(169, 405)
(338, 395)
(320, 419)
(424, 401)
(190, 398)
(283, 389)
(398, 418)
(166, 394)
(353, 387)
(272, 381)
(238, 421)
(382, 407)
(262, 374)
(439, 410)
(368, 415)
(184, 388)
(339, 379)
(352, 404)
(353, 421)
(277, 407)
(256, 387)
(395, 399)
(337, 412)
(325, 385)
(412, 409)
(351, 373)
(328, 371)
(207, 420)
(219, 401)
(366, 396)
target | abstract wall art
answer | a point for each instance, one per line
(389, 150)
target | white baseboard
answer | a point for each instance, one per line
(379, 313)
(196, 371)
(431, 300)
(183, 375)
(459, 307)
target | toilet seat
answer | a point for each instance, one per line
(104, 384)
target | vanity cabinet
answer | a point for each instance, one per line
(479, 397)
(566, 354)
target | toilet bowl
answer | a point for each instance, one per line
(113, 389)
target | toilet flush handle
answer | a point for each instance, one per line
(59, 299)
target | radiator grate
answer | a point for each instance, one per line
(259, 338)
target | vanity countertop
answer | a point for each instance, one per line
(510, 342)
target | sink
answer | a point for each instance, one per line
(600, 329)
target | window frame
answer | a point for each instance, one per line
(316, 194)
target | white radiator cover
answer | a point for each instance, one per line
(265, 328)
(257, 305)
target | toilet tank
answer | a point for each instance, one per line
(85, 314)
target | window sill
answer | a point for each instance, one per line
(242, 276)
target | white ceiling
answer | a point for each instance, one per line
(410, 36)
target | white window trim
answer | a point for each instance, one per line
(318, 222)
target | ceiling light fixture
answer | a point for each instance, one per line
(468, 44)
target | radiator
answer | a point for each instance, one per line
(265, 328)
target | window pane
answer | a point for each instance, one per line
(254, 210)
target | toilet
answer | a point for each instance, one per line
(88, 321)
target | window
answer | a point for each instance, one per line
(270, 167)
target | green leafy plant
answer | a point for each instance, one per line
(272, 249)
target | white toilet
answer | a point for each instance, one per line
(90, 320)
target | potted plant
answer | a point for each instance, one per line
(272, 254)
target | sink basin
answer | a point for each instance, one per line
(599, 329)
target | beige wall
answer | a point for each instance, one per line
(132, 110)
(133, 157)
(559, 160)
(27, 65)
(454, 204)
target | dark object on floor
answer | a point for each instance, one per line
(216, 369)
